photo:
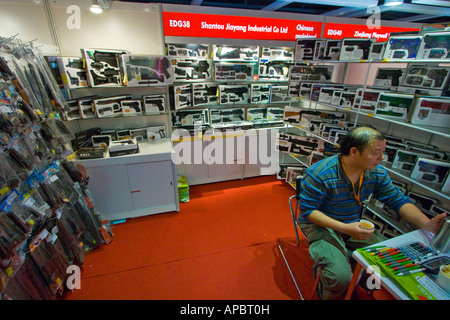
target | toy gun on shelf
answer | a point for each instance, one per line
(233, 54)
(194, 50)
(392, 74)
(232, 114)
(199, 68)
(353, 46)
(187, 117)
(204, 99)
(240, 91)
(108, 57)
(132, 105)
(76, 64)
(417, 76)
(76, 80)
(268, 52)
(209, 90)
(236, 68)
(156, 102)
(273, 68)
(405, 48)
(152, 66)
(322, 114)
(109, 76)
(102, 111)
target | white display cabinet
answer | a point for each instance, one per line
(134, 185)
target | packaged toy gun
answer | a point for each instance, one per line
(355, 49)
(394, 105)
(188, 50)
(236, 53)
(427, 77)
(432, 111)
(154, 103)
(147, 70)
(102, 66)
(192, 69)
(402, 47)
(274, 70)
(435, 45)
(233, 94)
(430, 170)
(389, 77)
(236, 71)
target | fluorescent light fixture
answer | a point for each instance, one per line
(392, 3)
(96, 9)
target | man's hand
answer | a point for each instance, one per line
(355, 231)
(352, 229)
(434, 224)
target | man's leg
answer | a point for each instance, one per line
(327, 249)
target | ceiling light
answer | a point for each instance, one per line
(100, 6)
(96, 9)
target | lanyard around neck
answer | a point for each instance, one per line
(357, 196)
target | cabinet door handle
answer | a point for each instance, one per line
(135, 191)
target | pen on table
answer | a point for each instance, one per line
(405, 260)
(396, 264)
(408, 267)
(409, 272)
(377, 251)
(390, 250)
(390, 253)
(374, 248)
(393, 257)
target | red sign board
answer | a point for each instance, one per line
(184, 24)
(341, 30)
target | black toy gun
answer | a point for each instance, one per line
(240, 91)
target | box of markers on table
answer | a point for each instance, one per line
(404, 266)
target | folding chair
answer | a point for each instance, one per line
(294, 213)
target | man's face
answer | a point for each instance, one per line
(372, 155)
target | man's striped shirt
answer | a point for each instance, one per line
(326, 188)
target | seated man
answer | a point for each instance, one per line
(333, 191)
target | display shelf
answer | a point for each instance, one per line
(421, 184)
(378, 61)
(312, 134)
(400, 173)
(445, 132)
(158, 150)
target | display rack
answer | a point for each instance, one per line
(434, 134)
(48, 219)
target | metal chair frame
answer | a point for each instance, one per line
(294, 215)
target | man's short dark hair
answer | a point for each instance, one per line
(360, 138)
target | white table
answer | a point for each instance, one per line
(414, 236)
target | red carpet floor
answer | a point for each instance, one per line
(222, 245)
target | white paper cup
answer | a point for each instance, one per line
(366, 224)
(443, 280)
